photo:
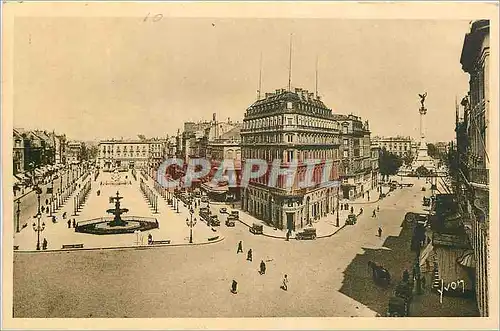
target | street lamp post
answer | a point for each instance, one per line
(38, 228)
(191, 223)
(18, 214)
(338, 207)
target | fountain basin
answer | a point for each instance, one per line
(102, 226)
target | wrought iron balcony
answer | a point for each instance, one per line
(479, 176)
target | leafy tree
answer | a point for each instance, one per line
(389, 163)
(422, 171)
(408, 159)
(432, 151)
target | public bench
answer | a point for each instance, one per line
(72, 246)
(213, 238)
(159, 242)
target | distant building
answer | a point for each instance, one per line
(18, 152)
(123, 154)
(73, 152)
(375, 156)
(442, 147)
(400, 146)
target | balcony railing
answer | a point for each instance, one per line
(479, 176)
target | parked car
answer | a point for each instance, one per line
(235, 214)
(230, 221)
(214, 220)
(223, 210)
(307, 233)
(257, 229)
(351, 219)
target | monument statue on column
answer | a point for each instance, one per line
(423, 159)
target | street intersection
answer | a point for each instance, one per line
(194, 281)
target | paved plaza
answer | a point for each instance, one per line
(327, 276)
(172, 225)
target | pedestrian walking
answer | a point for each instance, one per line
(64, 215)
(378, 208)
(262, 267)
(69, 224)
(284, 285)
(352, 210)
(44, 244)
(249, 255)
(380, 232)
(240, 247)
(43, 209)
(47, 210)
(374, 213)
(150, 239)
(46, 201)
(74, 223)
(234, 287)
(287, 235)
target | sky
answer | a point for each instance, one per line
(97, 78)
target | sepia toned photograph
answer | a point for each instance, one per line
(225, 166)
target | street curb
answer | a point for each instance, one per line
(221, 238)
(282, 238)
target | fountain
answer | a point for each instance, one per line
(116, 224)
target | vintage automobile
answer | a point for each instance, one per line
(205, 214)
(351, 219)
(307, 233)
(214, 220)
(404, 291)
(256, 229)
(235, 214)
(230, 221)
(426, 202)
(223, 210)
(398, 307)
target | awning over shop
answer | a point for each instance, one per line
(21, 177)
(427, 254)
(16, 181)
(468, 259)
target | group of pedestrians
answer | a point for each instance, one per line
(71, 223)
(262, 269)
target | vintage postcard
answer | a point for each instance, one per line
(250, 165)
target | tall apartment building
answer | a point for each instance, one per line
(475, 61)
(291, 126)
(356, 156)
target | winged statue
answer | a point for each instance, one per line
(422, 98)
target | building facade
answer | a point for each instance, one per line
(474, 152)
(375, 156)
(18, 153)
(73, 152)
(123, 154)
(158, 148)
(291, 127)
(400, 146)
(356, 156)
